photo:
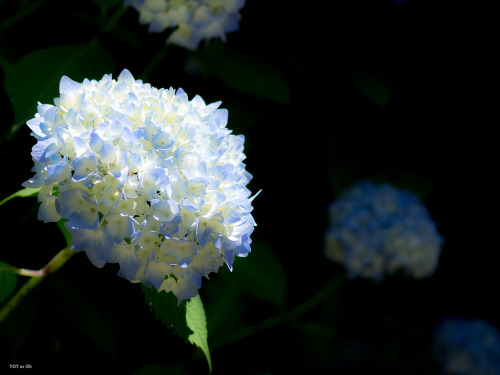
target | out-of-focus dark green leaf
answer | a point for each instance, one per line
(106, 21)
(249, 74)
(316, 329)
(4, 61)
(375, 87)
(156, 369)
(240, 118)
(24, 11)
(343, 174)
(8, 280)
(26, 192)
(417, 184)
(106, 5)
(261, 275)
(35, 77)
(87, 318)
(125, 37)
(15, 328)
(224, 305)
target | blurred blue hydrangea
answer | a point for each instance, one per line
(145, 178)
(467, 347)
(193, 20)
(378, 229)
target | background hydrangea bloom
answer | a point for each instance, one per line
(467, 347)
(193, 20)
(378, 229)
(145, 178)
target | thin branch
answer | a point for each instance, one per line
(29, 273)
(36, 278)
(24, 11)
(273, 321)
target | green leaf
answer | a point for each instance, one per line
(125, 37)
(375, 87)
(26, 192)
(8, 280)
(197, 322)
(245, 73)
(187, 320)
(416, 183)
(106, 5)
(164, 305)
(261, 275)
(157, 369)
(35, 77)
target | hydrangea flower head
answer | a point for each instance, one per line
(145, 178)
(467, 347)
(193, 20)
(378, 229)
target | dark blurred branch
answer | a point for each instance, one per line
(23, 12)
(154, 62)
(115, 18)
(293, 314)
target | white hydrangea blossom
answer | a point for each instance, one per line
(193, 20)
(378, 229)
(145, 178)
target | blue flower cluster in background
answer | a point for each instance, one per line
(379, 229)
(467, 347)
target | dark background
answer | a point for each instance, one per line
(375, 90)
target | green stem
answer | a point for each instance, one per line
(154, 62)
(113, 20)
(23, 12)
(245, 332)
(36, 278)
(317, 298)
(29, 273)
(295, 313)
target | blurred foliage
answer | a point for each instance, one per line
(87, 318)
(325, 98)
(26, 192)
(8, 280)
(244, 73)
(22, 79)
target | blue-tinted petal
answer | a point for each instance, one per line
(119, 227)
(42, 150)
(84, 166)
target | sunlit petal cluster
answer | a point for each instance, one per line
(192, 20)
(145, 178)
(378, 229)
(467, 347)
